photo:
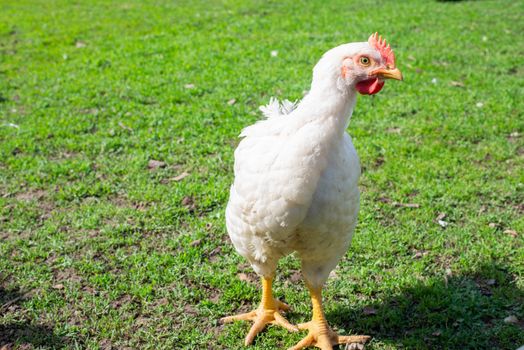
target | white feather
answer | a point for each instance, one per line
(276, 109)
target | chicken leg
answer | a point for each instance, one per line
(320, 334)
(267, 312)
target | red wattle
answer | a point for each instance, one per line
(369, 86)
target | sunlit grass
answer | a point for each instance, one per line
(100, 247)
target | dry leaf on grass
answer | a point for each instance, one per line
(195, 243)
(180, 176)
(457, 84)
(406, 205)
(155, 164)
(441, 216)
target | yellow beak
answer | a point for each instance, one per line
(385, 73)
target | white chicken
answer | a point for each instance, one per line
(295, 187)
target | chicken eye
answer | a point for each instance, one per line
(365, 61)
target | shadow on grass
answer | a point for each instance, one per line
(8, 297)
(21, 332)
(457, 312)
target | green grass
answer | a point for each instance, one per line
(99, 251)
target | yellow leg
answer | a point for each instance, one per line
(267, 312)
(320, 334)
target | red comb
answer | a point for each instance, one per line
(383, 47)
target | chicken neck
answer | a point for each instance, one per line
(328, 100)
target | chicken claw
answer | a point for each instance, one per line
(267, 313)
(320, 334)
(261, 317)
(323, 337)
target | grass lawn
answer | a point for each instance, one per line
(118, 122)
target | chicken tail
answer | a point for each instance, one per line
(276, 109)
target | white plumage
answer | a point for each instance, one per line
(295, 189)
(296, 172)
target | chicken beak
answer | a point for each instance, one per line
(391, 73)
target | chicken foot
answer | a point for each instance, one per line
(320, 334)
(267, 313)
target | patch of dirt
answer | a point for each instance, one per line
(21, 329)
(444, 261)
(190, 310)
(216, 330)
(10, 298)
(212, 293)
(225, 238)
(418, 254)
(369, 311)
(243, 308)
(106, 344)
(378, 162)
(68, 274)
(385, 217)
(515, 204)
(44, 204)
(31, 195)
(214, 255)
(249, 277)
(384, 199)
(89, 290)
(123, 300)
(215, 297)
(296, 277)
(485, 286)
(189, 203)
(25, 335)
(160, 302)
(63, 155)
(141, 322)
(413, 193)
(124, 202)
(77, 318)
